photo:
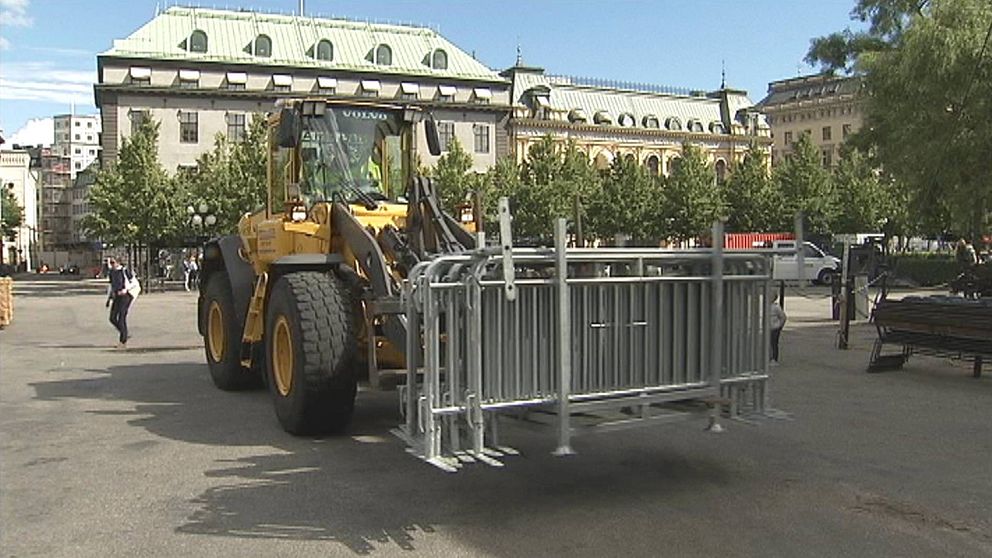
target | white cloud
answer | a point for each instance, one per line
(4, 44)
(15, 13)
(37, 131)
(40, 81)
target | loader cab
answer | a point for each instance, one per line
(325, 152)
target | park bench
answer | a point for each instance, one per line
(937, 325)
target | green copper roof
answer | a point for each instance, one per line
(231, 34)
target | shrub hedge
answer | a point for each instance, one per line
(927, 269)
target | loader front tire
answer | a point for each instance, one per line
(310, 332)
(222, 337)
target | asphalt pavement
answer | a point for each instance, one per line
(123, 453)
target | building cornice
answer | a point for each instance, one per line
(644, 132)
(272, 96)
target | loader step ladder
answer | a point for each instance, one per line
(254, 320)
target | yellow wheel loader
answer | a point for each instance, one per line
(305, 298)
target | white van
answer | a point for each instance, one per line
(817, 266)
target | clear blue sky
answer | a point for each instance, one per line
(48, 48)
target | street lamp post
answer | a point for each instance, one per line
(200, 218)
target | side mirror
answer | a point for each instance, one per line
(433, 140)
(289, 128)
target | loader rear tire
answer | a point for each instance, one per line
(310, 332)
(222, 337)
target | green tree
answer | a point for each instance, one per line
(453, 176)
(550, 180)
(134, 200)
(886, 19)
(230, 178)
(626, 203)
(11, 215)
(928, 110)
(863, 202)
(929, 113)
(751, 199)
(691, 199)
(804, 186)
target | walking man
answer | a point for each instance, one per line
(119, 299)
(778, 319)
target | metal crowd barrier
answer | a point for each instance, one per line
(579, 340)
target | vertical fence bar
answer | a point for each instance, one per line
(564, 345)
(412, 358)
(716, 337)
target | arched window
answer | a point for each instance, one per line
(602, 117)
(383, 55)
(650, 121)
(626, 120)
(674, 164)
(603, 160)
(717, 128)
(577, 116)
(654, 167)
(325, 50)
(721, 170)
(439, 61)
(694, 125)
(198, 41)
(673, 123)
(263, 46)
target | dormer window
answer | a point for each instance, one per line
(383, 55)
(263, 46)
(716, 127)
(577, 116)
(324, 50)
(439, 60)
(650, 121)
(694, 126)
(140, 75)
(673, 123)
(626, 120)
(446, 93)
(198, 41)
(602, 118)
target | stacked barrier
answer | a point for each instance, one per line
(580, 340)
(6, 301)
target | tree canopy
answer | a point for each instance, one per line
(928, 109)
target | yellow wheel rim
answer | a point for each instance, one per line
(282, 356)
(216, 341)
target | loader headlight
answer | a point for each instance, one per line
(299, 213)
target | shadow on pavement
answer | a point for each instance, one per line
(363, 490)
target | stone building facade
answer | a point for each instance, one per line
(203, 72)
(18, 178)
(825, 107)
(650, 123)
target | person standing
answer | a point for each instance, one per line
(119, 300)
(777, 324)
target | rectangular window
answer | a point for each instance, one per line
(89, 124)
(138, 118)
(808, 133)
(788, 139)
(140, 75)
(445, 132)
(189, 131)
(828, 157)
(826, 133)
(235, 127)
(846, 130)
(236, 81)
(77, 137)
(282, 83)
(409, 91)
(446, 93)
(481, 132)
(326, 85)
(77, 123)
